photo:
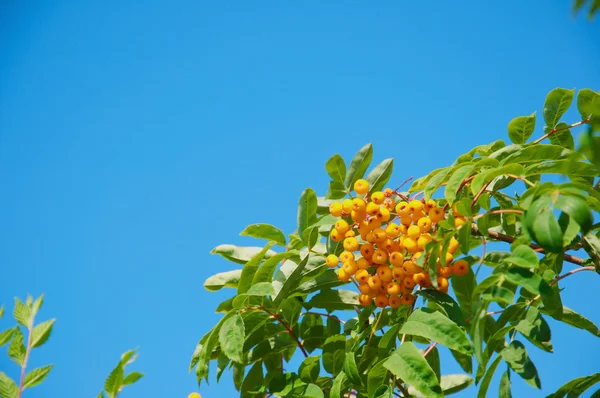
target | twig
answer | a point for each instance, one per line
(555, 130)
(561, 277)
(325, 315)
(477, 217)
(478, 195)
(26, 359)
(525, 180)
(484, 243)
(430, 348)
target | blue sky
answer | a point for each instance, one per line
(136, 136)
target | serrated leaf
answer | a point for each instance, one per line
(521, 128)
(36, 376)
(486, 176)
(8, 388)
(41, 333)
(380, 175)
(284, 282)
(542, 225)
(267, 269)
(537, 153)
(223, 279)
(309, 369)
(261, 289)
(557, 103)
(515, 355)
(6, 335)
(231, 337)
(265, 231)
(445, 303)
(455, 181)
(336, 168)
(336, 388)
(239, 254)
(376, 377)
(22, 313)
(16, 348)
(562, 167)
(535, 328)
(437, 180)
(504, 389)
(113, 382)
(132, 378)
(523, 256)
(359, 165)
(499, 294)
(465, 361)
(408, 364)
(463, 287)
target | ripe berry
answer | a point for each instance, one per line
(374, 223)
(364, 300)
(406, 220)
(351, 244)
(398, 273)
(455, 211)
(424, 224)
(447, 260)
(415, 206)
(332, 261)
(445, 272)
(341, 226)
(460, 267)
(393, 288)
(350, 268)
(367, 250)
(410, 268)
(362, 276)
(347, 206)
(384, 273)
(361, 186)
(389, 204)
(377, 198)
(419, 278)
(372, 208)
(408, 299)
(423, 240)
(458, 221)
(381, 300)
(402, 209)
(414, 232)
(436, 215)
(359, 205)
(395, 301)
(364, 288)
(374, 282)
(363, 263)
(409, 282)
(379, 257)
(336, 209)
(336, 236)
(410, 245)
(350, 234)
(380, 235)
(453, 246)
(443, 284)
(383, 214)
(388, 192)
(430, 204)
(346, 256)
(342, 275)
(194, 395)
(397, 259)
(358, 216)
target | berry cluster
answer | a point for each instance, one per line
(386, 268)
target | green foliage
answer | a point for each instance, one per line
(288, 302)
(117, 378)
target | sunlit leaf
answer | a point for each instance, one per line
(265, 231)
(408, 364)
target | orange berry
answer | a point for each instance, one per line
(423, 240)
(397, 259)
(367, 250)
(336, 236)
(341, 226)
(364, 300)
(415, 206)
(445, 272)
(402, 209)
(398, 273)
(361, 186)
(336, 209)
(384, 273)
(351, 244)
(398, 246)
(379, 234)
(363, 263)
(350, 268)
(430, 204)
(372, 208)
(364, 288)
(332, 261)
(415, 217)
(393, 288)
(358, 216)
(388, 192)
(403, 229)
(362, 276)
(389, 204)
(350, 234)
(424, 224)
(387, 245)
(347, 206)
(410, 268)
(359, 205)
(460, 267)
(458, 221)
(363, 227)
(374, 282)
(408, 299)
(406, 221)
(419, 278)
(381, 300)
(383, 214)
(436, 215)
(395, 301)
(374, 223)
(455, 211)
(414, 232)
(380, 256)
(409, 282)
(453, 246)
(346, 256)
(442, 283)
(342, 275)
(410, 245)
(377, 197)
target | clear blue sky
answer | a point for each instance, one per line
(136, 136)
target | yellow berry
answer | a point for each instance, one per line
(372, 208)
(350, 268)
(393, 288)
(347, 206)
(358, 216)
(410, 268)
(341, 226)
(392, 230)
(364, 300)
(336, 236)
(453, 246)
(346, 256)
(379, 234)
(350, 234)
(397, 259)
(362, 276)
(377, 198)
(448, 260)
(414, 232)
(402, 209)
(458, 221)
(374, 282)
(359, 205)
(410, 245)
(383, 214)
(381, 300)
(436, 215)
(415, 206)
(332, 261)
(442, 284)
(367, 250)
(423, 240)
(398, 273)
(361, 186)
(455, 211)
(445, 272)
(418, 278)
(430, 204)
(342, 275)
(384, 273)
(194, 395)
(336, 209)
(364, 288)
(363, 263)
(373, 223)
(389, 204)
(406, 220)
(379, 256)
(409, 282)
(424, 224)
(388, 192)
(351, 244)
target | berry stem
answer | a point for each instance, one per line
(555, 130)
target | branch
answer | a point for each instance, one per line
(553, 131)
(335, 318)
(430, 348)
(509, 239)
(574, 271)
(26, 359)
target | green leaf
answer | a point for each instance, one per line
(336, 388)
(307, 212)
(223, 279)
(575, 319)
(578, 209)
(499, 294)
(516, 357)
(432, 325)
(521, 128)
(132, 378)
(408, 364)
(261, 289)
(250, 269)
(504, 390)
(542, 225)
(239, 254)
(383, 392)
(562, 167)
(1, 311)
(37, 304)
(523, 256)
(433, 359)
(557, 103)
(113, 382)
(336, 190)
(334, 352)
(332, 300)
(485, 382)
(487, 176)
(465, 361)
(537, 153)
(204, 348)
(286, 279)
(351, 369)
(531, 282)
(265, 231)
(6, 335)
(388, 341)
(336, 168)
(456, 180)
(359, 165)
(22, 313)
(267, 269)
(8, 388)
(376, 377)
(16, 349)
(444, 303)
(535, 328)
(380, 175)
(326, 280)
(588, 103)
(561, 136)
(575, 387)
(36, 376)
(231, 337)
(437, 180)
(254, 379)
(463, 287)
(454, 383)
(309, 369)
